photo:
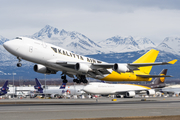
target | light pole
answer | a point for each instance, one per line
(45, 86)
(13, 85)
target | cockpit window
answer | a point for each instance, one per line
(54, 49)
(19, 38)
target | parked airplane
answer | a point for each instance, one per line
(51, 59)
(54, 92)
(128, 90)
(171, 91)
(4, 89)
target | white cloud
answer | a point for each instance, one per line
(97, 20)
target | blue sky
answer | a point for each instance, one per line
(97, 19)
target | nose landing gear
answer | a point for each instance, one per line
(19, 64)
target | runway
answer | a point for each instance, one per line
(87, 108)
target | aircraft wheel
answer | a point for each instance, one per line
(65, 81)
(63, 77)
(85, 81)
(81, 80)
(75, 80)
(19, 64)
(78, 82)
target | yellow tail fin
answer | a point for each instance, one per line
(149, 57)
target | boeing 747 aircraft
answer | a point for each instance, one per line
(50, 59)
(4, 89)
(128, 90)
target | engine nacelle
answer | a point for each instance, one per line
(151, 92)
(43, 69)
(82, 67)
(32, 95)
(130, 94)
(120, 68)
(52, 96)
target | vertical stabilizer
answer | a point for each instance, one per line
(38, 86)
(160, 80)
(5, 86)
(63, 86)
(4, 89)
(149, 57)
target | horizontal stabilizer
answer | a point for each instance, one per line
(153, 76)
(152, 64)
(173, 61)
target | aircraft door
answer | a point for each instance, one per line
(44, 44)
(31, 49)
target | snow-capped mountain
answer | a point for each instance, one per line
(2, 40)
(4, 55)
(72, 41)
(171, 45)
(80, 44)
(144, 43)
(119, 44)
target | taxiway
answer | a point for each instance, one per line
(87, 108)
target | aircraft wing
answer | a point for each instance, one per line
(97, 65)
(153, 76)
(151, 64)
(103, 65)
(97, 68)
(101, 68)
(121, 92)
(132, 65)
(110, 65)
(67, 64)
(136, 91)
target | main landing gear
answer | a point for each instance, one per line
(64, 79)
(82, 78)
(19, 64)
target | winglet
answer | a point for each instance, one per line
(173, 61)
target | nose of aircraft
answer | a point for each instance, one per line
(7, 45)
(11, 46)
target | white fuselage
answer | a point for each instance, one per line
(105, 88)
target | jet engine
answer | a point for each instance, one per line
(52, 96)
(43, 69)
(32, 95)
(151, 92)
(82, 67)
(130, 94)
(120, 68)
